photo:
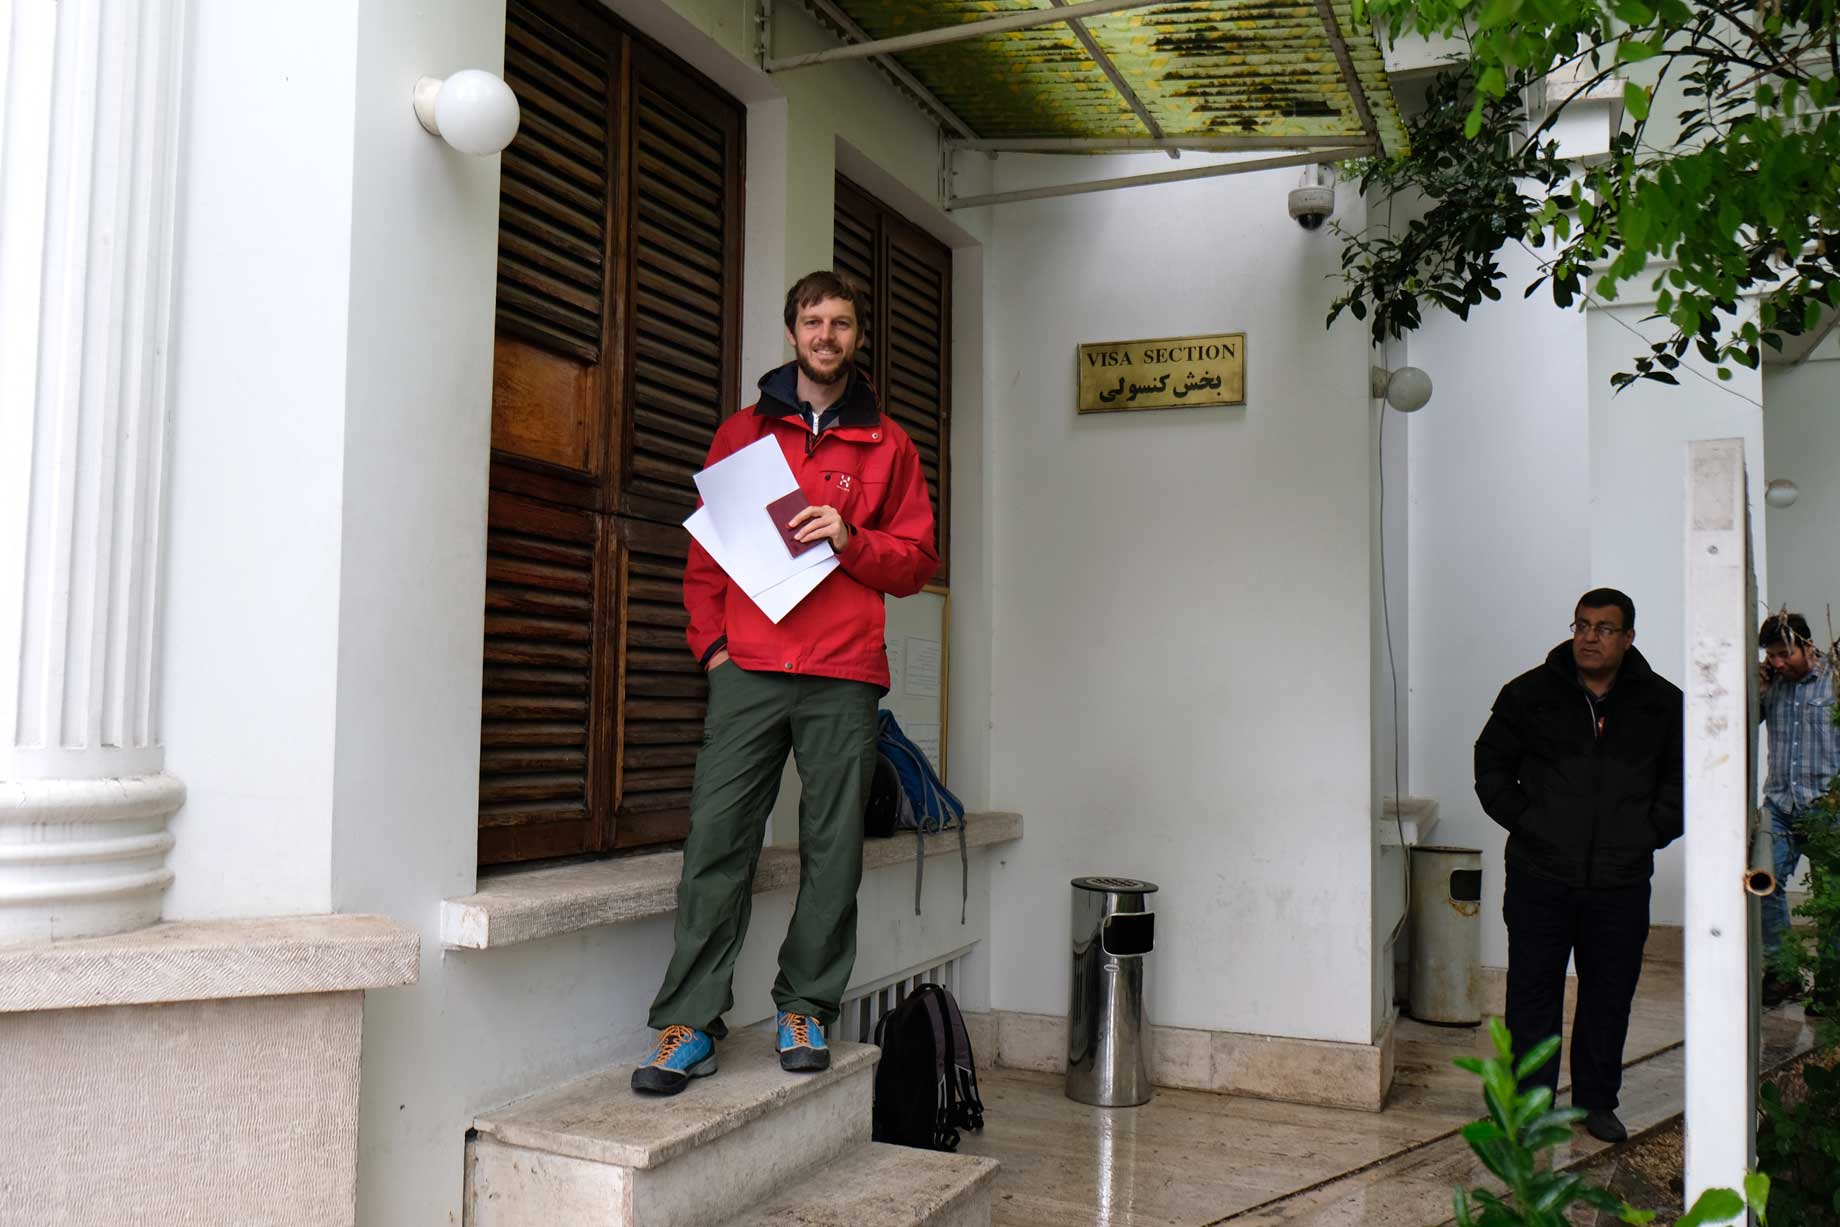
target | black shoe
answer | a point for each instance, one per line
(1777, 990)
(1603, 1125)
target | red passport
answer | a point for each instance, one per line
(782, 510)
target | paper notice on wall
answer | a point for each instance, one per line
(926, 736)
(894, 666)
(922, 664)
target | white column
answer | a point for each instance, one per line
(89, 105)
(1720, 674)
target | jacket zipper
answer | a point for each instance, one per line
(1597, 792)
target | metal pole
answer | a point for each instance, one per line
(889, 65)
(1166, 176)
(959, 33)
(1135, 144)
(1112, 74)
(1350, 78)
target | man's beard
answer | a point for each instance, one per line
(820, 378)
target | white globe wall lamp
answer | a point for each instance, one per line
(1407, 389)
(1781, 492)
(472, 110)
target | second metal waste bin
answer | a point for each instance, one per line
(1108, 1062)
(1446, 977)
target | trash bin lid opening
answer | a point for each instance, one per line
(1118, 886)
(1128, 933)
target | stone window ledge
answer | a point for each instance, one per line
(521, 905)
(208, 960)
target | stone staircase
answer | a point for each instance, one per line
(752, 1146)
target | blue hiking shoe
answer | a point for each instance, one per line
(801, 1044)
(683, 1053)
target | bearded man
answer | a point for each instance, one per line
(808, 684)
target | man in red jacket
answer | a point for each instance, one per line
(808, 684)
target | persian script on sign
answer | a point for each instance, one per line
(1171, 373)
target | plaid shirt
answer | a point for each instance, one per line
(1804, 744)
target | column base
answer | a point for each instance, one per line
(83, 858)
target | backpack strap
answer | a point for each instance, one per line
(945, 1136)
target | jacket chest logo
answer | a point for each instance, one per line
(844, 480)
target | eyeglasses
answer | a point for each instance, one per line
(1601, 630)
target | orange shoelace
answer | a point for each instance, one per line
(671, 1039)
(801, 1025)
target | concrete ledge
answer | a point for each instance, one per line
(1417, 817)
(210, 960)
(1225, 1062)
(521, 905)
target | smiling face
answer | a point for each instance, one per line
(825, 337)
(1600, 639)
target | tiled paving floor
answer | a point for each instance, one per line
(1189, 1159)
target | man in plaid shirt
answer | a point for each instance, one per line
(1796, 697)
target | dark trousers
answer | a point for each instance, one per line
(829, 725)
(1605, 928)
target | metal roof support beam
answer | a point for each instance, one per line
(888, 63)
(1164, 176)
(1140, 144)
(958, 33)
(1350, 78)
(1112, 74)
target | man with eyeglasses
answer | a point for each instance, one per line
(1581, 763)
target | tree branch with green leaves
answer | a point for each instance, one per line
(1733, 222)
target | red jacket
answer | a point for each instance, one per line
(867, 468)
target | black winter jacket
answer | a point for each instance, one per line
(1584, 808)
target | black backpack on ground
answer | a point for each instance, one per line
(926, 1084)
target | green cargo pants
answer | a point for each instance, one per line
(753, 719)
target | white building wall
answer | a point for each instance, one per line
(1181, 651)
(1801, 428)
(261, 295)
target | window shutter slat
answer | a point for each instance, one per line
(538, 714)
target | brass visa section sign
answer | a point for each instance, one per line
(1172, 373)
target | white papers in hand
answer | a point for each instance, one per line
(736, 491)
(776, 600)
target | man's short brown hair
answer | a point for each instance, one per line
(1790, 630)
(814, 288)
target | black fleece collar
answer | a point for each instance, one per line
(779, 397)
(1635, 669)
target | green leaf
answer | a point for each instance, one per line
(1537, 1056)
(1635, 98)
(1713, 1206)
(1471, 1064)
(1498, 1034)
(1628, 52)
(1473, 124)
(1757, 1195)
(1629, 1214)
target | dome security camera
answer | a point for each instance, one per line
(1312, 206)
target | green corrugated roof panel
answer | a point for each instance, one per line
(1200, 67)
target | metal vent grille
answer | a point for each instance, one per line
(865, 1007)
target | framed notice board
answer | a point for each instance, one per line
(919, 673)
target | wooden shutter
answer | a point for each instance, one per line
(618, 343)
(541, 719)
(908, 348)
(554, 345)
(662, 689)
(686, 278)
(917, 316)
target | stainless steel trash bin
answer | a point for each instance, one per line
(1108, 1060)
(1445, 985)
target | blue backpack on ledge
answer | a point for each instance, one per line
(921, 803)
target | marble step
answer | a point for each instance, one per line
(884, 1186)
(592, 1153)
